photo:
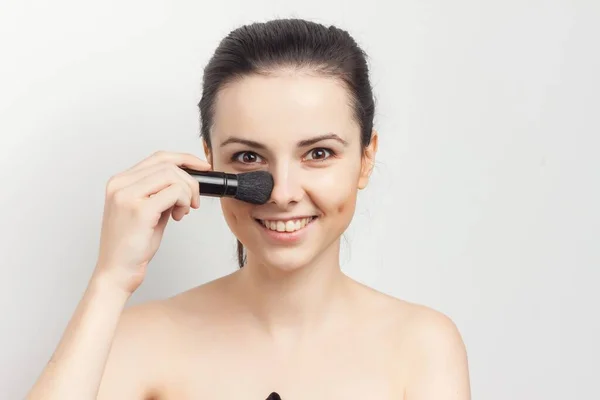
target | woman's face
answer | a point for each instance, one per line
(300, 128)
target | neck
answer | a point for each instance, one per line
(292, 302)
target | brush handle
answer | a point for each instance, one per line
(215, 183)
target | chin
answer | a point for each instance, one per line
(282, 259)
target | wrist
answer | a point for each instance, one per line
(105, 285)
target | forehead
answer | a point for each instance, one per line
(284, 105)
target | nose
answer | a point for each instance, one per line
(287, 189)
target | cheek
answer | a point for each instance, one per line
(232, 212)
(334, 193)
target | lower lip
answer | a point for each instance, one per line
(286, 237)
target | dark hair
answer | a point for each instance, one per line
(264, 47)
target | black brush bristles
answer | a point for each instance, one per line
(254, 187)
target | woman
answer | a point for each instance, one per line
(294, 98)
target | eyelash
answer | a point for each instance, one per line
(236, 156)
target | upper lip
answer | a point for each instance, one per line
(291, 217)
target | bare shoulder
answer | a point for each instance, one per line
(147, 334)
(438, 367)
(158, 322)
(428, 346)
(414, 324)
(428, 330)
(439, 357)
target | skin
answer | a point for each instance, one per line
(290, 321)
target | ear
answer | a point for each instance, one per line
(207, 152)
(368, 161)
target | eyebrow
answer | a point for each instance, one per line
(302, 143)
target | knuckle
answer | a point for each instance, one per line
(120, 198)
(112, 185)
(163, 167)
(160, 154)
(174, 174)
(173, 168)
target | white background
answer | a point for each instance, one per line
(483, 205)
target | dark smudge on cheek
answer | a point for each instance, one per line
(347, 204)
(341, 208)
(344, 201)
(333, 190)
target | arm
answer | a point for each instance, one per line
(139, 203)
(440, 366)
(76, 367)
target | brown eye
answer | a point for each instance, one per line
(246, 157)
(319, 154)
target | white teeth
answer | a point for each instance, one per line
(286, 226)
(290, 226)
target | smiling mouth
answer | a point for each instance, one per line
(288, 226)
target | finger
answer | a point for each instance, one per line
(179, 212)
(128, 178)
(179, 159)
(194, 185)
(174, 195)
(156, 182)
(162, 222)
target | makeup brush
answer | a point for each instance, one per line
(274, 396)
(253, 187)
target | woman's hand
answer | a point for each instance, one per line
(138, 204)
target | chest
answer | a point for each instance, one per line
(230, 385)
(245, 372)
